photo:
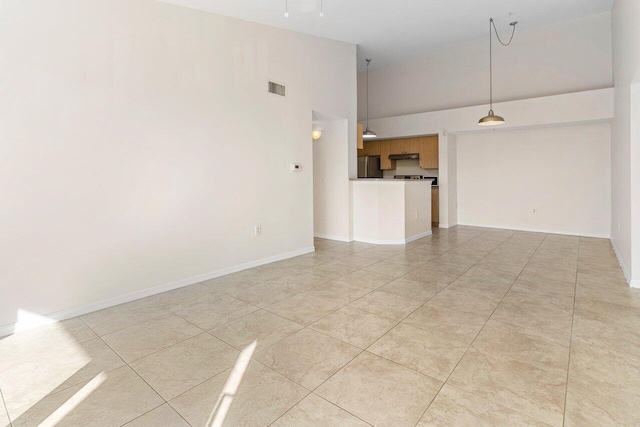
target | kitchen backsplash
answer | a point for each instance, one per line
(409, 167)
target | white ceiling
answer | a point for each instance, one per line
(395, 31)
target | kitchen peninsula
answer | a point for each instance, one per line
(388, 211)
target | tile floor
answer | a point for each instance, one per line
(469, 326)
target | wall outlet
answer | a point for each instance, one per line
(258, 230)
(534, 210)
(416, 214)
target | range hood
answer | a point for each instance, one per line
(413, 156)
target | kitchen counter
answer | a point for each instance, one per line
(391, 211)
(391, 180)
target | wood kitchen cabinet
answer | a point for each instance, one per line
(385, 152)
(360, 138)
(406, 145)
(412, 145)
(371, 148)
(435, 207)
(429, 152)
(425, 146)
(397, 146)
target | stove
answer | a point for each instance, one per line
(410, 177)
(407, 177)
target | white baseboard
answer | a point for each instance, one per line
(533, 230)
(443, 225)
(329, 237)
(132, 296)
(418, 236)
(625, 270)
(393, 241)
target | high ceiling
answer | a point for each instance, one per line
(395, 31)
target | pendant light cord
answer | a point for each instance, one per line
(368, 61)
(491, 25)
(513, 24)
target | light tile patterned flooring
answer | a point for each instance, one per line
(469, 326)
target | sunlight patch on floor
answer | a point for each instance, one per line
(225, 400)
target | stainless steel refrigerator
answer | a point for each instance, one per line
(369, 167)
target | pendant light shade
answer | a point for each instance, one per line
(368, 134)
(491, 119)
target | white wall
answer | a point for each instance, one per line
(330, 182)
(625, 226)
(561, 172)
(123, 125)
(570, 57)
(574, 108)
(452, 193)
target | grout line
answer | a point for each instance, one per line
(499, 404)
(573, 315)
(481, 329)
(362, 351)
(134, 371)
(357, 355)
(300, 270)
(433, 296)
(145, 413)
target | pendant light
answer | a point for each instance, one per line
(491, 119)
(368, 134)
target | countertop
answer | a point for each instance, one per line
(429, 181)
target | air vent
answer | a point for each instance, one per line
(277, 89)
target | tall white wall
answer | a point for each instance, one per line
(452, 186)
(562, 172)
(139, 146)
(331, 189)
(574, 108)
(625, 226)
(570, 57)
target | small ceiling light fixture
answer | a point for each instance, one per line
(316, 134)
(321, 10)
(368, 134)
(491, 119)
(286, 8)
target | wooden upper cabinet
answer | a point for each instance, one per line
(425, 146)
(385, 151)
(371, 148)
(429, 152)
(374, 148)
(397, 146)
(412, 145)
(406, 146)
(360, 139)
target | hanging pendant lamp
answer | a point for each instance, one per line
(492, 119)
(368, 134)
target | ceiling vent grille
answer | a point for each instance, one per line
(277, 89)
